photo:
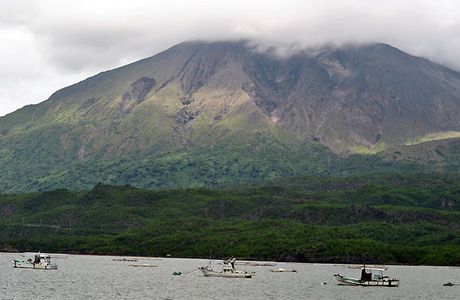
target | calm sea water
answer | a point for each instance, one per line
(99, 277)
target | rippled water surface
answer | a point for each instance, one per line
(99, 277)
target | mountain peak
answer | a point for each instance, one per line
(197, 96)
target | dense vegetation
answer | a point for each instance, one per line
(184, 168)
(199, 168)
(412, 219)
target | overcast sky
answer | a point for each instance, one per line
(49, 44)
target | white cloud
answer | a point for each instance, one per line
(49, 44)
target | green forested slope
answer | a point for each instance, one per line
(374, 219)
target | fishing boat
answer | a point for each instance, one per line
(369, 277)
(228, 271)
(40, 261)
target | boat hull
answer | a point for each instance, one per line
(238, 274)
(36, 267)
(342, 280)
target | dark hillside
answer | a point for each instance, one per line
(374, 219)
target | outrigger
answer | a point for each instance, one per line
(369, 277)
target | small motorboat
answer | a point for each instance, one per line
(258, 264)
(228, 271)
(142, 266)
(369, 277)
(450, 284)
(40, 262)
(124, 259)
(281, 270)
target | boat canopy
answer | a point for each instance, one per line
(373, 269)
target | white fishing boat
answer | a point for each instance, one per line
(40, 261)
(369, 277)
(228, 271)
